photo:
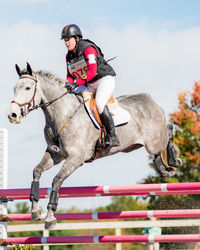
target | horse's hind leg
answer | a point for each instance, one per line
(173, 150)
(156, 144)
(161, 168)
(46, 163)
(168, 160)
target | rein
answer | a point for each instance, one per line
(46, 104)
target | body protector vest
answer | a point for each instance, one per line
(77, 66)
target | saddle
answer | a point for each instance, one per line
(120, 115)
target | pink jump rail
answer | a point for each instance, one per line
(102, 239)
(89, 191)
(115, 215)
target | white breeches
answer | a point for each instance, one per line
(103, 88)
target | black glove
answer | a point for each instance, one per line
(71, 87)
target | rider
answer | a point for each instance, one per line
(86, 65)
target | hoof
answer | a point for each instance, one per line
(172, 173)
(167, 174)
(181, 162)
(36, 213)
(162, 170)
(50, 224)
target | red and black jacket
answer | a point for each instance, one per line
(77, 63)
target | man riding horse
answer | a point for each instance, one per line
(86, 65)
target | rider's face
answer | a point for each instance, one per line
(70, 43)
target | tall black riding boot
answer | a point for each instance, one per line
(111, 139)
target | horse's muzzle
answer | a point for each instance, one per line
(13, 118)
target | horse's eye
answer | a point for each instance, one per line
(27, 88)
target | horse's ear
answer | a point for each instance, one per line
(18, 69)
(28, 67)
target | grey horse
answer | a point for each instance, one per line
(77, 140)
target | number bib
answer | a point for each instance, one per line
(78, 68)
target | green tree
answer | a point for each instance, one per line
(22, 208)
(122, 203)
(186, 120)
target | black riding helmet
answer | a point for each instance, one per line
(71, 30)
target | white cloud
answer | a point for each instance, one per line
(158, 62)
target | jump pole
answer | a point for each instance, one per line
(175, 213)
(102, 239)
(3, 180)
(93, 191)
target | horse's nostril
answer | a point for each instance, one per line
(14, 115)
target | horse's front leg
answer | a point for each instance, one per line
(69, 166)
(47, 162)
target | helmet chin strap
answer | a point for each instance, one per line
(77, 42)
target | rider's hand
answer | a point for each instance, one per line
(71, 87)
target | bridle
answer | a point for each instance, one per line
(32, 100)
(46, 104)
(31, 104)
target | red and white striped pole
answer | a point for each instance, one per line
(103, 239)
(90, 191)
(114, 215)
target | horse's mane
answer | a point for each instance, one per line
(51, 77)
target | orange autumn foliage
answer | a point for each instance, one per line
(194, 158)
(195, 128)
(182, 97)
(184, 114)
(196, 93)
(187, 121)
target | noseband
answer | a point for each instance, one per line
(21, 105)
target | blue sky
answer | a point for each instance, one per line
(158, 52)
(96, 13)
